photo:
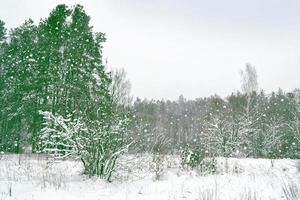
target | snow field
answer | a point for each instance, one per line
(32, 177)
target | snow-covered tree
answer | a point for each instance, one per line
(97, 145)
(19, 94)
(294, 124)
(218, 136)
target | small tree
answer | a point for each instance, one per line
(97, 145)
(158, 149)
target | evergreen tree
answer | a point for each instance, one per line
(2, 82)
(19, 72)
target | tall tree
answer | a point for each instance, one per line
(120, 88)
(79, 114)
(19, 71)
(2, 80)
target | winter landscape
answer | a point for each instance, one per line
(73, 126)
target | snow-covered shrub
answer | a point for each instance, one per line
(158, 166)
(159, 149)
(191, 158)
(98, 145)
(237, 169)
(195, 159)
(208, 165)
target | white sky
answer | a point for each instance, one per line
(194, 47)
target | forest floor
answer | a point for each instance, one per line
(31, 177)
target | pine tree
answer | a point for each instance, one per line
(19, 67)
(73, 61)
(2, 82)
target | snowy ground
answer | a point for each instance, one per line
(31, 178)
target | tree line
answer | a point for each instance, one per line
(249, 123)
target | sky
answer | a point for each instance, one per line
(195, 48)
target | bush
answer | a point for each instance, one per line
(159, 149)
(98, 145)
(191, 158)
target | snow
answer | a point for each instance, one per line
(69, 20)
(31, 177)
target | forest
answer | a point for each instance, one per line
(252, 124)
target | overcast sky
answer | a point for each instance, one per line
(194, 47)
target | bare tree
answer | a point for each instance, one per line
(249, 83)
(249, 79)
(120, 87)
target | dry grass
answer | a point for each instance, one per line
(291, 191)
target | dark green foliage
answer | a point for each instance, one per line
(2, 32)
(19, 74)
(55, 93)
(191, 157)
(55, 66)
